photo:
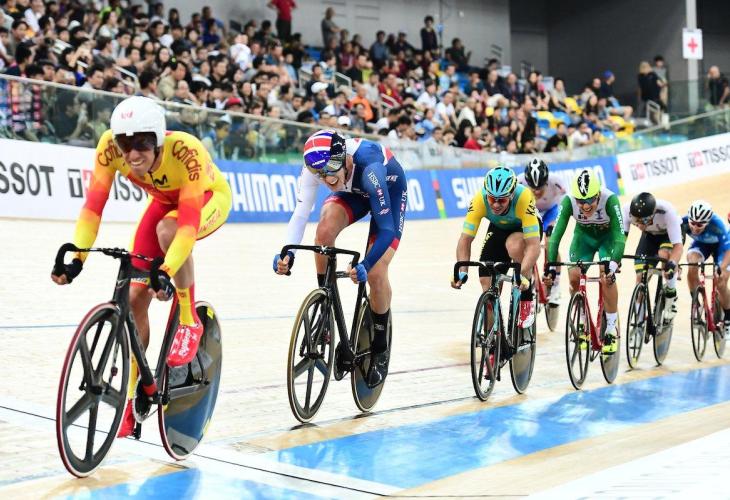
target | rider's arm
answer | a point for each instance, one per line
(565, 209)
(527, 213)
(87, 225)
(474, 214)
(616, 226)
(674, 231)
(374, 183)
(306, 194)
(626, 218)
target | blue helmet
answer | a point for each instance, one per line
(500, 182)
(324, 152)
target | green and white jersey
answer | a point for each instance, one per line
(600, 219)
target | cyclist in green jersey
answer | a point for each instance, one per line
(598, 228)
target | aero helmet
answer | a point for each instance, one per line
(324, 152)
(500, 182)
(536, 173)
(138, 114)
(642, 205)
(585, 185)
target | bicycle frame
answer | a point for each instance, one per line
(647, 271)
(711, 326)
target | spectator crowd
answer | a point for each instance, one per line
(394, 88)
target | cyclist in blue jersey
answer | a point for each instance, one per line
(365, 178)
(710, 238)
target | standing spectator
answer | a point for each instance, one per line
(379, 51)
(649, 88)
(660, 69)
(457, 55)
(718, 89)
(429, 37)
(283, 17)
(329, 28)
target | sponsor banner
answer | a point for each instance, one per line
(675, 163)
(458, 186)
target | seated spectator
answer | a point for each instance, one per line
(468, 112)
(475, 139)
(558, 141)
(214, 141)
(428, 99)
(582, 136)
(475, 85)
(447, 78)
(457, 55)
(390, 88)
(445, 112)
(606, 91)
(558, 96)
(362, 100)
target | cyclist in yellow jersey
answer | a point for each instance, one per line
(188, 199)
(513, 234)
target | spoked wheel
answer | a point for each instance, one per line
(365, 397)
(719, 333)
(637, 324)
(485, 347)
(698, 324)
(522, 362)
(92, 392)
(311, 352)
(663, 336)
(610, 362)
(192, 390)
(577, 341)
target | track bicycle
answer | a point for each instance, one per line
(646, 323)
(92, 392)
(494, 343)
(706, 317)
(584, 337)
(312, 357)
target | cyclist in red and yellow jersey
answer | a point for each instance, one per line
(188, 199)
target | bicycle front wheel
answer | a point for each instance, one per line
(637, 324)
(610, 362)
(92, 392)
(522, 363)
(485, 345)
(698, 323)
(663, 335)
(310, 357)
(577, 341)
(719, 333)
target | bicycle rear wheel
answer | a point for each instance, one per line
(637, 324)
(663, 335)
(522, 363)
(719, 333)
(577, 341)
(485, 346)
(365, 397)
(610, 362)
(92, 392)
(192, 390)
(310, 357)
(698, 324)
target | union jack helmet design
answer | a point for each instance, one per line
(324, 152)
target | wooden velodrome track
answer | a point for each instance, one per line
(428, 436)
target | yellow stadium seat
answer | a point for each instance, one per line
(572, 105)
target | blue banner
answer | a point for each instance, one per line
(265, 192)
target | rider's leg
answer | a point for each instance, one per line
(694, 256)
(334, 217)
(516, 246)
(574, 278)
(380, 297)
(670, 289)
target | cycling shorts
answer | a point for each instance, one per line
(495, 245)
(585, 245)
(649, 245)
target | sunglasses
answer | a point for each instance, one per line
(643, 220)
(697, 224)
(137, 142)
(498, 200)
(587, 201)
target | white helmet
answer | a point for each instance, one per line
(700, 211)
(139, 114)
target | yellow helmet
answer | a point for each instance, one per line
(585, 185)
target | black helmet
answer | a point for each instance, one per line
(642, 205)
(536, 173)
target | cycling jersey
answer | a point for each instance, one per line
(520, 216)
(553, 192)
(179, 187)
(377, 183)
(665, 221)
(602, 228)
(713, 241)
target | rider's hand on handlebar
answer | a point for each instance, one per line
(282, 266)
(165, 290)
(463, 277)
(70, 271)
(358, 274)
(670, 268)
(525, 283)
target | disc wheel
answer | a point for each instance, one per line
(311, 353)
(577, 341)
(637, 324)
(485, 347)
(92, 392)
(663, 336)
(522, 363)
(192, 390)
(698, 324)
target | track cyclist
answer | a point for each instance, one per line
(661, 236)
(513, 234)
(364, 177)
(549, 191)
(598, 228)
(710, 238)
(188, 199)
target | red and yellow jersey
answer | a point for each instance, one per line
(185, 174)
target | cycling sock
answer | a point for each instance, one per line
(672, 283)
(133, 374)
(380, 327)
(670, 292)
(320, 279)
(611, 319)
(186, 298)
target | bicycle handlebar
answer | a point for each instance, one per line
(116, 253)
(647, 258)
(583, 265)
(490, 267)
(322, 250)
(698, 264)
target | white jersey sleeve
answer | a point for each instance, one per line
(626, 217)
(307, 185)
(672, 221)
